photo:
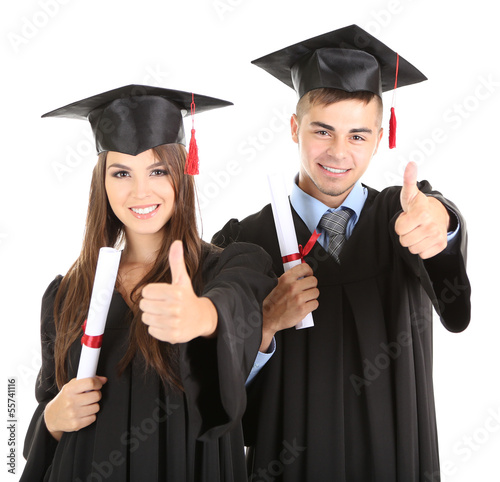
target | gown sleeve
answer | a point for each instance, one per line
(228, 234)
(39, 445)
(214, 370)
(443, 276)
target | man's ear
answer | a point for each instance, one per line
(294, 126)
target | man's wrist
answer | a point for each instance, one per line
(266, 342)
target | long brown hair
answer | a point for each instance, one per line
(103, 228)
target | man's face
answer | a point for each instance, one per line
(336, 143)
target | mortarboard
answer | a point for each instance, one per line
(135, 118)
(348, 59)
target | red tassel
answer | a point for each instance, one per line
(392, 129)
(192, 165)
(392, 121)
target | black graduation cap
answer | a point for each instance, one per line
(135, 118)
(348, 59)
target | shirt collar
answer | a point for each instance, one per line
(311, 210)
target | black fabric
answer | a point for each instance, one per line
(135, 118)
(348, 58)
(145, 431)
(136, 124)
(351, 399)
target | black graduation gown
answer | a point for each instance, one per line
(351, 399)
(144, 431)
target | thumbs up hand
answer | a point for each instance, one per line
(172, 311)
(423, 225)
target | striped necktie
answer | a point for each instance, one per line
(334, 223)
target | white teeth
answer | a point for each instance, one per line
(335, 171)
(145, 210)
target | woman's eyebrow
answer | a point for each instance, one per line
(119, 166)
(123, 166)
(156, 164)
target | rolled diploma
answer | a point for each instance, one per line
(287, 239)
(102, 291)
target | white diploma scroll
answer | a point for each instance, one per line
(282, 213)
(102, 291)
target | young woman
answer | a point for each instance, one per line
(184, 323)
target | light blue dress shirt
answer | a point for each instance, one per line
(310, 210)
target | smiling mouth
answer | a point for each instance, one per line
(334, 171)
(146, 210)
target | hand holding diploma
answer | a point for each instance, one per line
(289, 302)
(294, 298)
(173, 311)
(74, 407)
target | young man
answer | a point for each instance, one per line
(351, 398)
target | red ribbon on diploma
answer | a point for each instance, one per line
(302, 251)
(91, 341)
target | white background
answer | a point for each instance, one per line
(56, 52)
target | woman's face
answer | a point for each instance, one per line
(140, 191)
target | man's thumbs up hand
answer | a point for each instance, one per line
(423, 225)
(410, 189)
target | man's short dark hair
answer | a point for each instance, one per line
(327, 96)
